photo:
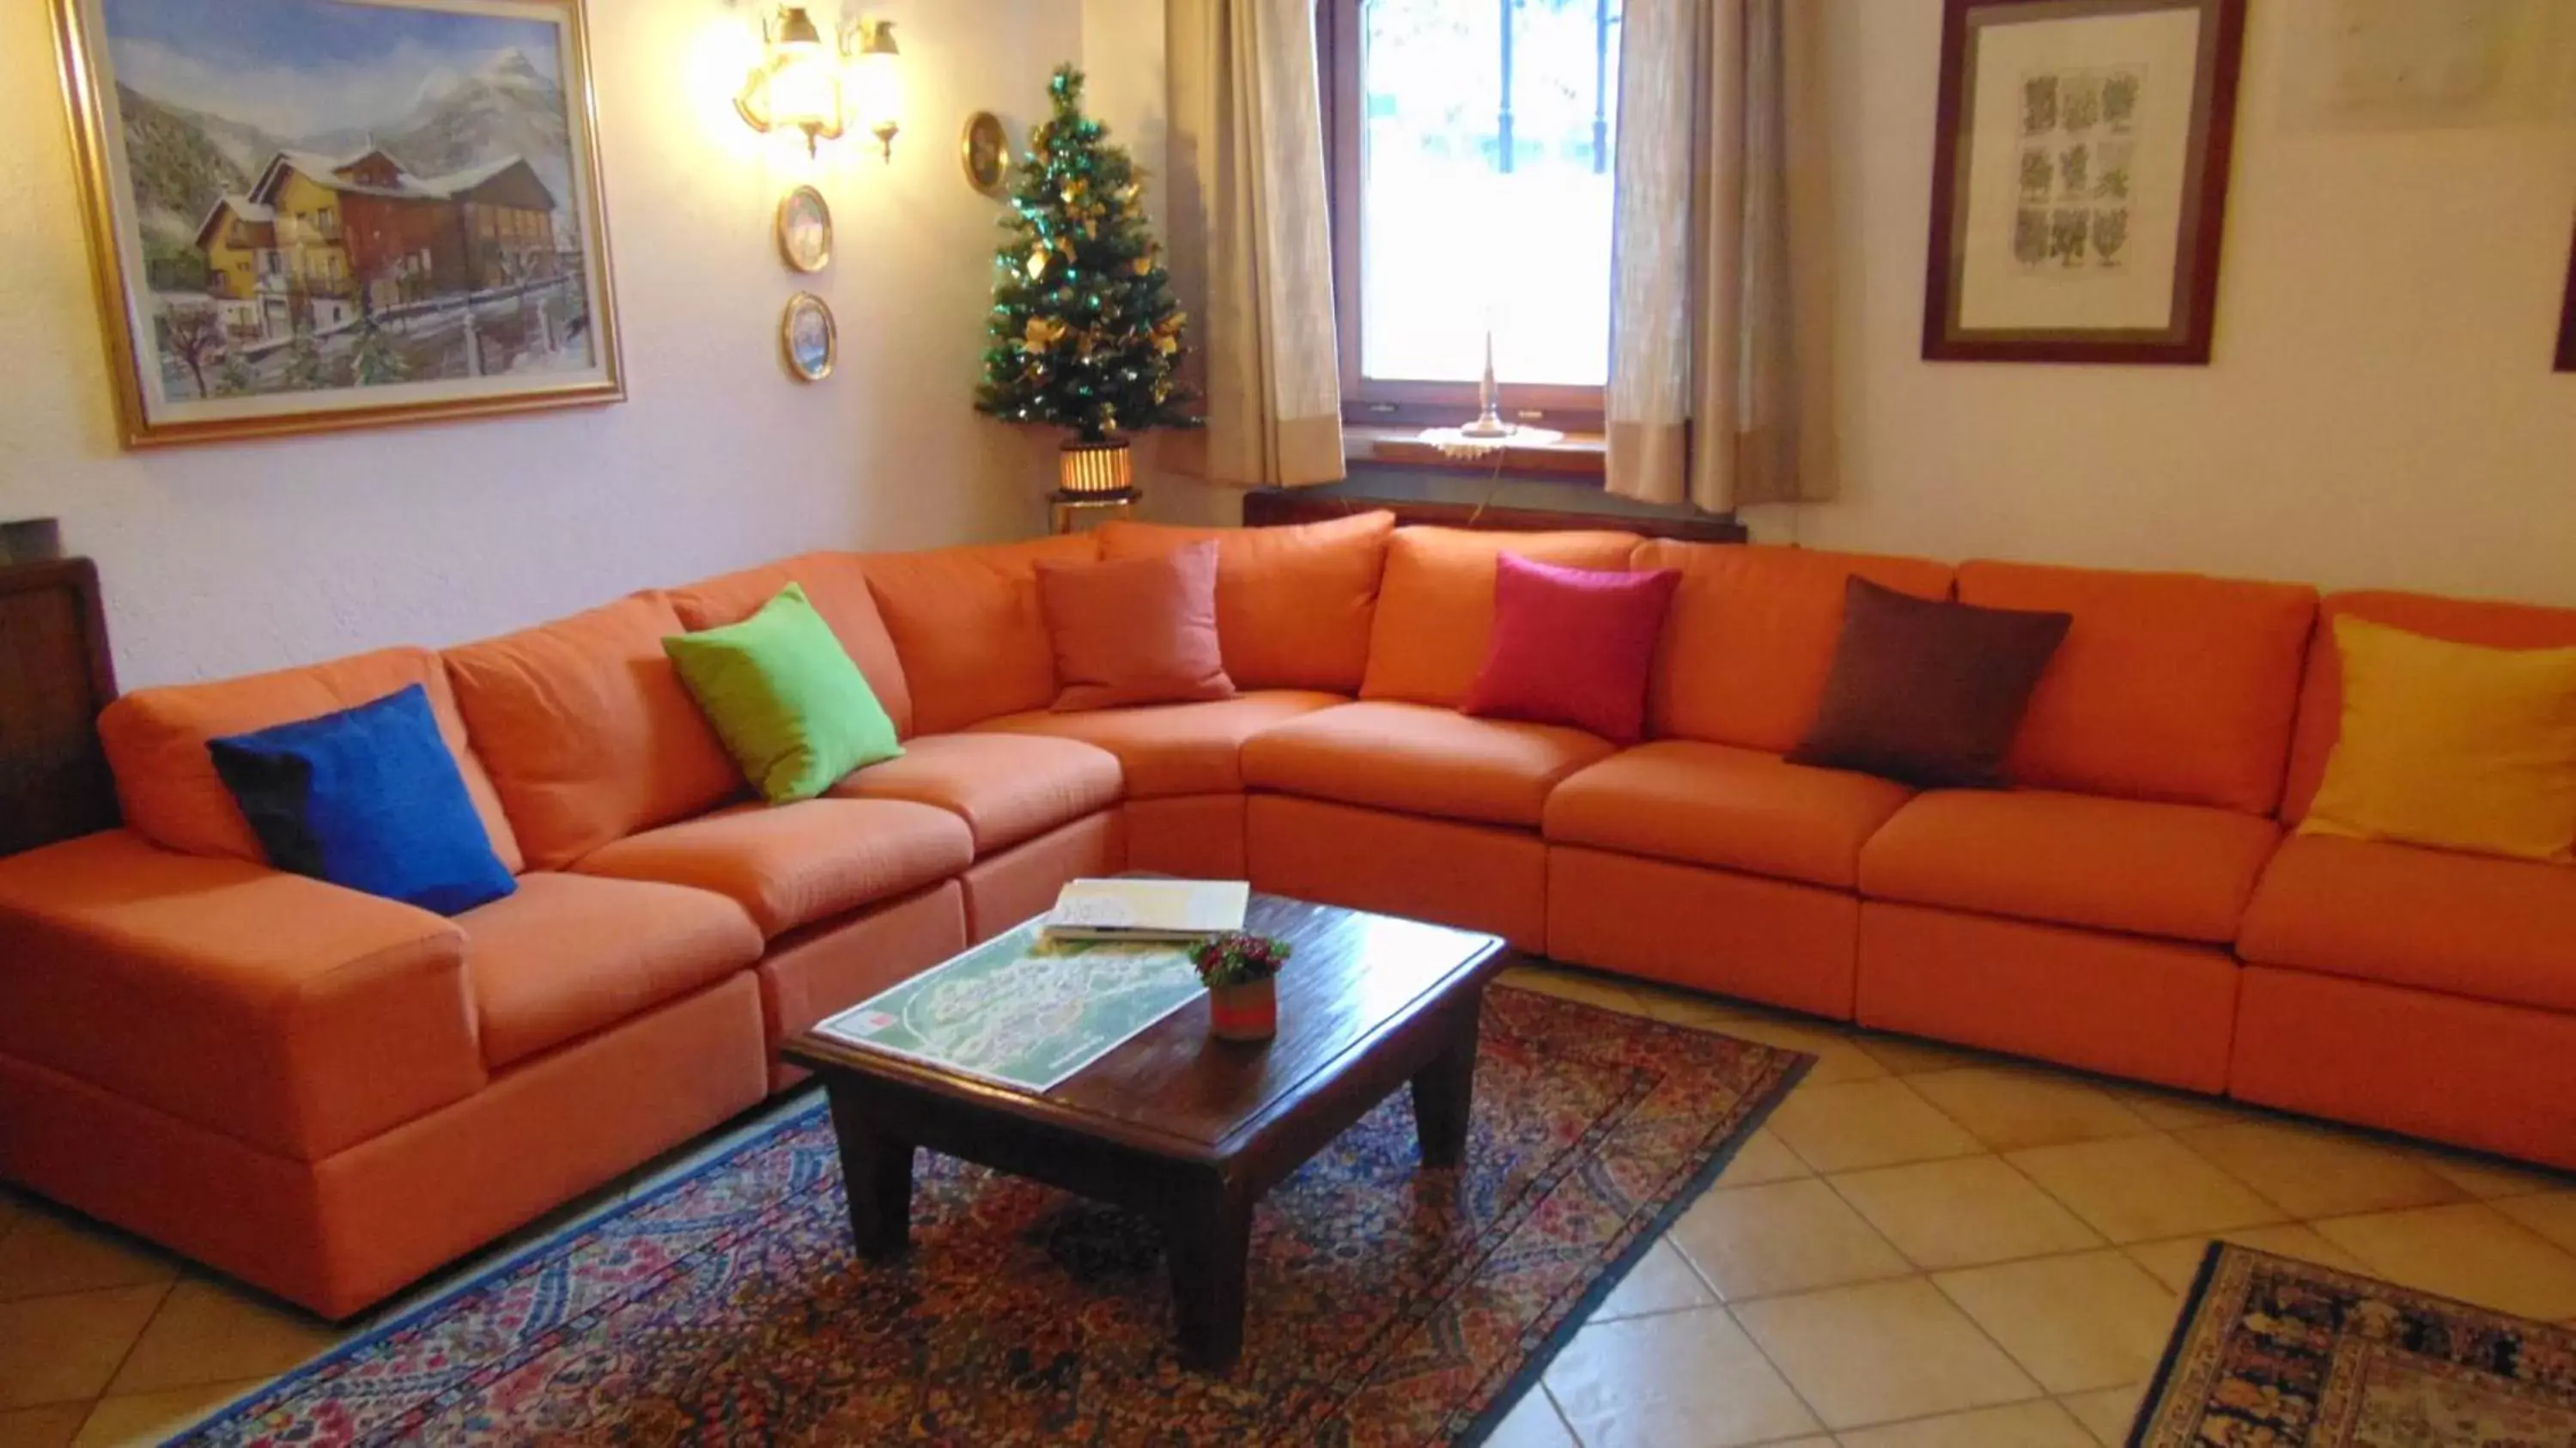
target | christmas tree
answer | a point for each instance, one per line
(1085, 331)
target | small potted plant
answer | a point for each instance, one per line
(1239, 971)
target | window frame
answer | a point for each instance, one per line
(1339, 46)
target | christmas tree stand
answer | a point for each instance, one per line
(1095, 480)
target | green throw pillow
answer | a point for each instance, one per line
(784, 697)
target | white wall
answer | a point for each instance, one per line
(2380, 411)
(226, 558)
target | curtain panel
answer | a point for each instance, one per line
(1252, 240)
(1720, 301)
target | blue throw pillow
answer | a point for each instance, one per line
(369, 798)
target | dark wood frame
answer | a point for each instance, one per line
(56, 674)
(2567, 320)
(2186, 342)
(1280, 507)
(1338, 47)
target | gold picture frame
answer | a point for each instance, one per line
(337, 283)
(984, 152)
(805, 230)
(809, 337)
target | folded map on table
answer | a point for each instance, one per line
(1022, 1010)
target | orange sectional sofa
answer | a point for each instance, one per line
(329, 1094)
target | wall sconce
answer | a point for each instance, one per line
(879, 80)
(799, 86)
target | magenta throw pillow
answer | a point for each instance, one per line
(1572, 646)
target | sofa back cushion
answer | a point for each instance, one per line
(1752, 633)
(1293, 604)
(1435, 612)
(156, 744)
(837, 585)
(587, 730)
(2169, 687)
(2459, 620)
(967, 625)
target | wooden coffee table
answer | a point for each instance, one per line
(1182, 1127)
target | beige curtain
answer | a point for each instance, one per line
(1720, 321)
(1251, 239)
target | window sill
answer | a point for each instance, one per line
(1576, 458)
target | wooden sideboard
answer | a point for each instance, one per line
(55, 675)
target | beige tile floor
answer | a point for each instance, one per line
(1923, 1248)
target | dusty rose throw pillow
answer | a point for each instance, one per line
(1135, 630)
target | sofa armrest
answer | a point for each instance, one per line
(293, 1015)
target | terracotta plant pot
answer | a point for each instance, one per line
(1244, 1012)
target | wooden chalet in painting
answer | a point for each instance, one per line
(320, 241)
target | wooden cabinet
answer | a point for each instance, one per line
(55, 675)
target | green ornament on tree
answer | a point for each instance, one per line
(1099, 359)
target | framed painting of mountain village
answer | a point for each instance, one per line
(320, 214)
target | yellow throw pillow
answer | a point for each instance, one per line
(2452, 745)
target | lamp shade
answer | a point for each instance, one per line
(876, 83)
(799, 86)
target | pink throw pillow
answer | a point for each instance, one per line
(1135, 630)
(1572, 646)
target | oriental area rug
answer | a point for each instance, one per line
(1390, 1305)
(2283, 1353)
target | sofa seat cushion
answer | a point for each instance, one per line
(288, 1014)
(1738, 809)
(569, 955)
(1174, 749)
(2069, 859)
(791, 865)
(1421, 759)
(2462, 925)
(1007, 787)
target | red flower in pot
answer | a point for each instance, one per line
(1240, 972)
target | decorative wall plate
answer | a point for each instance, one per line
(805, 229)
(985, 151)
(809, 337)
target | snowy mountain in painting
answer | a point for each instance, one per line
(506, 107)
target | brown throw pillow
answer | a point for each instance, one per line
(1927, 693)
(1136, 630)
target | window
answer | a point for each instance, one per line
(1471, 145)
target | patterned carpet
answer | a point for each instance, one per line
(2286, 1354)
(1390, 1305)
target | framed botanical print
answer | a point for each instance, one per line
(317, 214)
(2079, 186)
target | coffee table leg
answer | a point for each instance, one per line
(1445, 1093)
(877, 1170)
(1209, 1244)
